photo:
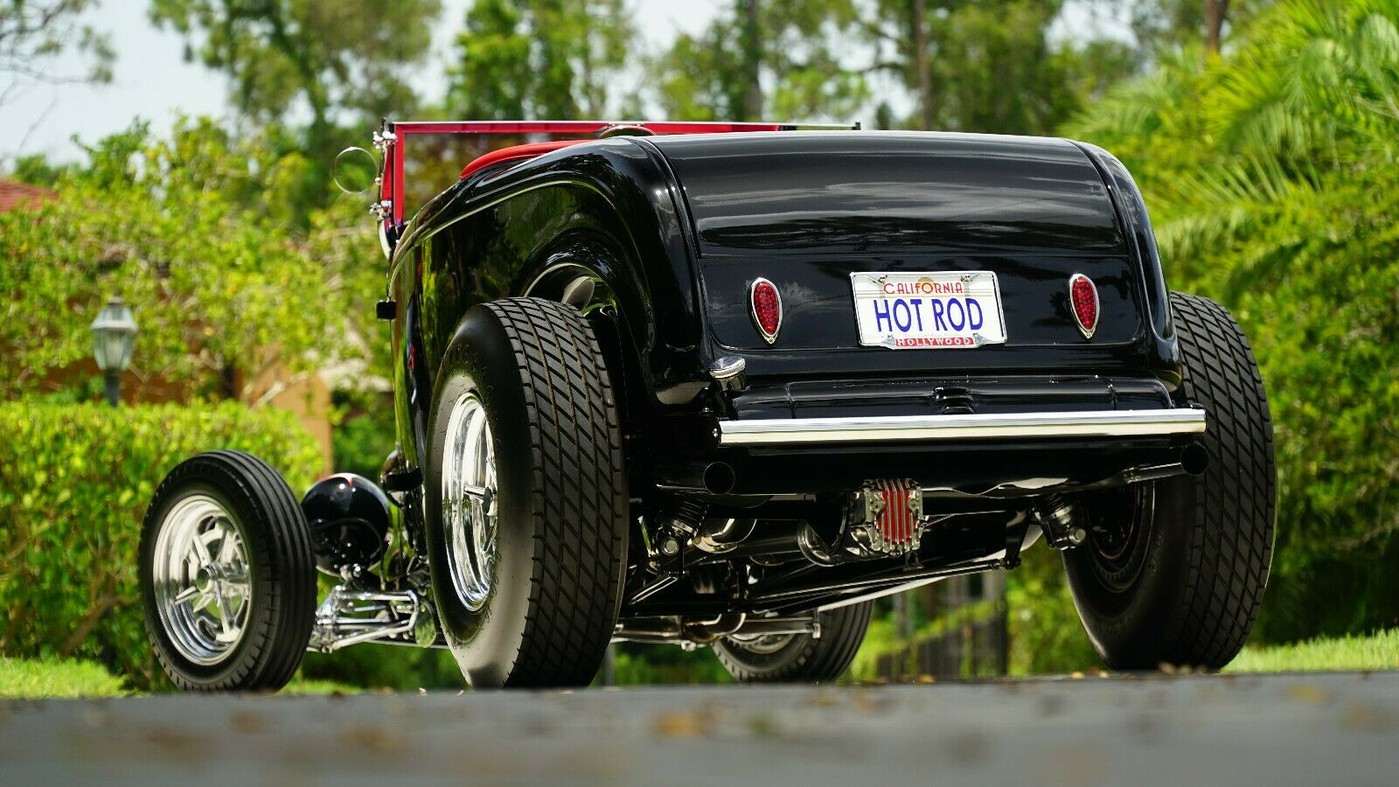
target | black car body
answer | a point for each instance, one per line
(726, 384)
(665, 231)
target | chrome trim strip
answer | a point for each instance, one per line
(964, 426)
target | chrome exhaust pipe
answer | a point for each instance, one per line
(1194, 459)
(716, 478)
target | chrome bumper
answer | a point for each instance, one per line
(972, 426)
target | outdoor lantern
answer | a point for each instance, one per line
(113, 335)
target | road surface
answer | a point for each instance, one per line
(1328, 730)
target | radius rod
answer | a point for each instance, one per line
(761, 597)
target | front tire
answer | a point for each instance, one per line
(228, 579)
(799, 658)
(526, 498)
(1175, 570)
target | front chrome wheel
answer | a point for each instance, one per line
(228, 578)
(200, 574)
(469, 493)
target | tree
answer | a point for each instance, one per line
(984, 66)
(548, 59)
(301, 71)
(1272, 175)
(780, 59)
(322, 56)
(328, 60)
(33, 33)
(1159, 25)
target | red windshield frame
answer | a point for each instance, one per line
(391, 185)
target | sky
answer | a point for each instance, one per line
(152, 81)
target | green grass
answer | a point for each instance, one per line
(45, 678)
(34, 679)
(306, 686)
(1325, 654)
(1375, 652)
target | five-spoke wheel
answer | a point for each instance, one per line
(227, 575)
(201, 580)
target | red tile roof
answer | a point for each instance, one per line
(14, 194)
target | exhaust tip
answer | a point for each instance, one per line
(1194, 459)
(719, 478)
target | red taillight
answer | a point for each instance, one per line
(766, 305)
(1083, 295)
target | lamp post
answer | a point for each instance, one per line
(113, 335)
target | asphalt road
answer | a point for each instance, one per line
(1276, 730)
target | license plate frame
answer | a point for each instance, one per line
(928, 310)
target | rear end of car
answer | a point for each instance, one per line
(928, 350)
(977, 315)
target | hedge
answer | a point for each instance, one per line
(74, 484)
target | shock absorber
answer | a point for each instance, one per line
(1058, 518)
(677, 521)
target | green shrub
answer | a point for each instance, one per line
(1046, 636)
(365, 435)
(74, 484)
(638, 664)
(375, 666)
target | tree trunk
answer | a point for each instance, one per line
(752, 35)
(927, 111)
(1216, 13)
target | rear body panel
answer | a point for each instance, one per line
(675, 230)
(806, 211)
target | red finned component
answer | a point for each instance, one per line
(1083, 295)
(766, 304)
(896, 522)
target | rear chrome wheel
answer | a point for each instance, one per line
(760, 644)
(469, 501)
(228, 579)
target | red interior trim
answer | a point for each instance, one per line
(516, 152)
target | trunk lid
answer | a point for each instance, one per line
(814, 213)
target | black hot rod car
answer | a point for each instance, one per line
(725, 384)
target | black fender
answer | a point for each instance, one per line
(608, 210)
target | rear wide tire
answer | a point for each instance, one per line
(1185, 586)
(525, 496)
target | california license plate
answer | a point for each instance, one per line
(948, 309)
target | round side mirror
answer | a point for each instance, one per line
(356, 170)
